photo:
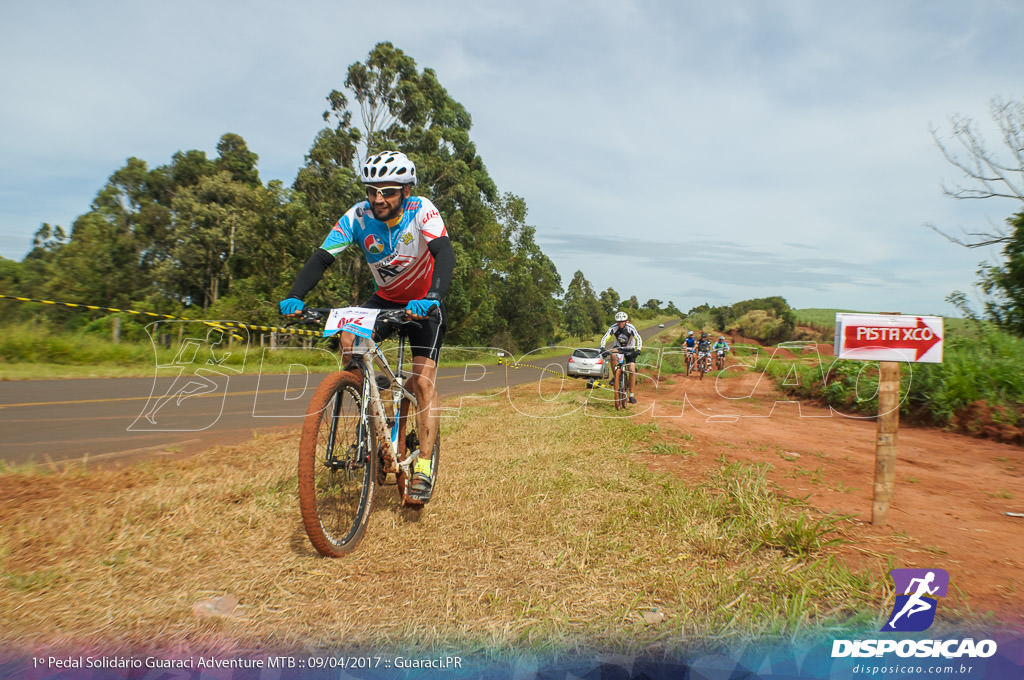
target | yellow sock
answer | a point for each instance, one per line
(421, 465)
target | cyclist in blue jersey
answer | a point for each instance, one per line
(626, 338)
(406, 245)
(690, 343)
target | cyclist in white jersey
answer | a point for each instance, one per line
(626, 337)
(406, 245)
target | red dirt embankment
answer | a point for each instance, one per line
(953, 492)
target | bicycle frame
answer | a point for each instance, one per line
(372, 403)
(365, 353)
(619, 366)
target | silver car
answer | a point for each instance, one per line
(585, 362)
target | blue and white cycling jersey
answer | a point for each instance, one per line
(396, 251)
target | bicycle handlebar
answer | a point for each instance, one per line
(626, 351)
(388, 317)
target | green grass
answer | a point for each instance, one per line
(29, 352)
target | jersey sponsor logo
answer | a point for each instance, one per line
(429, 216)
(407, 284)
(406, 238)
(372, 245)
(392, 267)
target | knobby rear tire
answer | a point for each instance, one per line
(335, 499)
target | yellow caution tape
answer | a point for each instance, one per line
(220, 325)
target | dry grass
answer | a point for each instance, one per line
(544, 535)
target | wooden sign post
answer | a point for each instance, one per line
(885, 442)
(889, 339)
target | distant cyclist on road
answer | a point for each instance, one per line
(405, 243)
(626, 338)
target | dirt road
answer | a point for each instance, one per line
(952, 497)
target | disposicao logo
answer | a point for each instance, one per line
(914, 611)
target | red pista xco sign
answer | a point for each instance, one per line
(889, 337)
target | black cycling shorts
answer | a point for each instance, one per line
(426, 338)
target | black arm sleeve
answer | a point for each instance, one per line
(311, 273)
(444, 267)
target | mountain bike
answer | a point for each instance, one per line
(719, 359)
(703, 362)
(691, 361)
(620, 375)
(359, 428)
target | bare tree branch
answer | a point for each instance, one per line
(987, 175)
(989, 239)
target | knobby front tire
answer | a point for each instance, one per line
(337, 471)
(620, 389)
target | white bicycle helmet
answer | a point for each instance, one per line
(690, 333)
(621, 316)
(389, 166)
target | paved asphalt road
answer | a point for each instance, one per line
(122, 419)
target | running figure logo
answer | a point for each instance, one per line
(914, 610)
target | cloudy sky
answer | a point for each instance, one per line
(685, 151)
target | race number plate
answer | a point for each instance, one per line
(356, 320)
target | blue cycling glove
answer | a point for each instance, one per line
(291, 306)
(421, 307)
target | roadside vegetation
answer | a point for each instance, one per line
(978, 389)
(546, 535)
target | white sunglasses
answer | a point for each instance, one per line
(386, 192)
